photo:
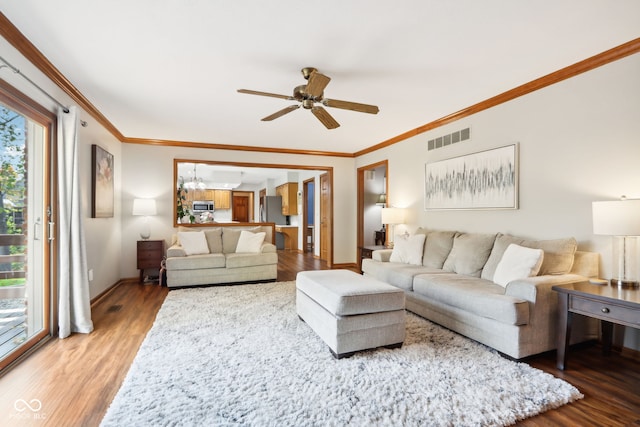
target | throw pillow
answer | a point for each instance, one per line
(230, 237)
(408, 249)
(250, 242)
(518, 262)
(437, 248)
(193, 242)
(214, 239)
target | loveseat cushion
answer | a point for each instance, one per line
(214, 239)
(474, 295)
(193, 262)
(437, 248)
(240, 260)
(469, 253)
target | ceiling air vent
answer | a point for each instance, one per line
(452, 138)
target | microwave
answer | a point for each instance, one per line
(202, 206)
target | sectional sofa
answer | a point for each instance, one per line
(493, 288)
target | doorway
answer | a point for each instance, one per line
(308, 215)
(242, 206)
(373, 195)
(26, 287)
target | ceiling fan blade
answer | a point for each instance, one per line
(326, 119)
(317, 83)
(280, 113)
(354, 106)
(273, 95)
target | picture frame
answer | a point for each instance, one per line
(101, 182)
(483, 180)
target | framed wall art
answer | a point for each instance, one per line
(483, 180)
(101, 183)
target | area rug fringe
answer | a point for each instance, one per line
(239, 355)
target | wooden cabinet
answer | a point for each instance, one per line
(150, 253)
(221, 199)
(289, 194)
(290, 237)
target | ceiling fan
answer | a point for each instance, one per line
(310, 94)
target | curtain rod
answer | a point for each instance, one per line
(17, 71)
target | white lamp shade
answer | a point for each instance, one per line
(146, 207)
(392, 216)
(617, 218)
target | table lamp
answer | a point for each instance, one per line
(620, 219)
(391, 216)
(146, 208)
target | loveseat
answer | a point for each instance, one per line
(493, 288)
(224, 253)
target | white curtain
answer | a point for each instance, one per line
(74, 309)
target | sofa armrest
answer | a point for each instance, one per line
(267, 248)
(175, 251)
(382, 255)
(531, 288)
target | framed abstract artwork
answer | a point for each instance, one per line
(101, 183)
(483, 180)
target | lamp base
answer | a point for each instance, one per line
(625, 284)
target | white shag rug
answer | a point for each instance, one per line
(239, 355)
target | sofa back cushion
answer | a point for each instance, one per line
(437, 248)
(501, 244)
(518, 262)
(469, 253)
(214, 239)
(558, 254)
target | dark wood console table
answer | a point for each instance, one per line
(610, 304)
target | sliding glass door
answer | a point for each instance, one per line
(25, 286)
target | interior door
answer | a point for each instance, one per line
(240, 207)
(26, 131)
(325, 217)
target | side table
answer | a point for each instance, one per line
(610, 304)
(149, 255)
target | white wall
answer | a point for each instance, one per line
(148, 172)
(579, 142)
(102, 235)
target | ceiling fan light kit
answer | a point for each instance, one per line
(310, 94)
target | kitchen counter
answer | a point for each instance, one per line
(290, 233)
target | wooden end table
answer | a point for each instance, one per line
(149, 254)
(610, 304)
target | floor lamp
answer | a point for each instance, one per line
(391, 216)
(620, 219)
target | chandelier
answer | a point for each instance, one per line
(193, 182)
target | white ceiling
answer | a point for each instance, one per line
(169, 69)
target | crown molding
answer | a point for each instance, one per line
(588, 64)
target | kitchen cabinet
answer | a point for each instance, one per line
(289, 194)
(222, 199)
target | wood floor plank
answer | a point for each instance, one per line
(75, 379)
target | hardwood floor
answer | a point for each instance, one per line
(75, 379)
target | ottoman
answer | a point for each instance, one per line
(350, 312)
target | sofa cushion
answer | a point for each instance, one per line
(469, 253)
(250, 242)
(518, 262)
(240, 260)
(214, 239)
(397, 274)
(408, 249)
(193, 242)
(475, 295)
(558, 254)
(500, 245)
(230, 237)
(195, 262)
(437, 248)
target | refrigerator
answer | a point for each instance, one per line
(271, 211)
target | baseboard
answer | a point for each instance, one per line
(110, 289)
